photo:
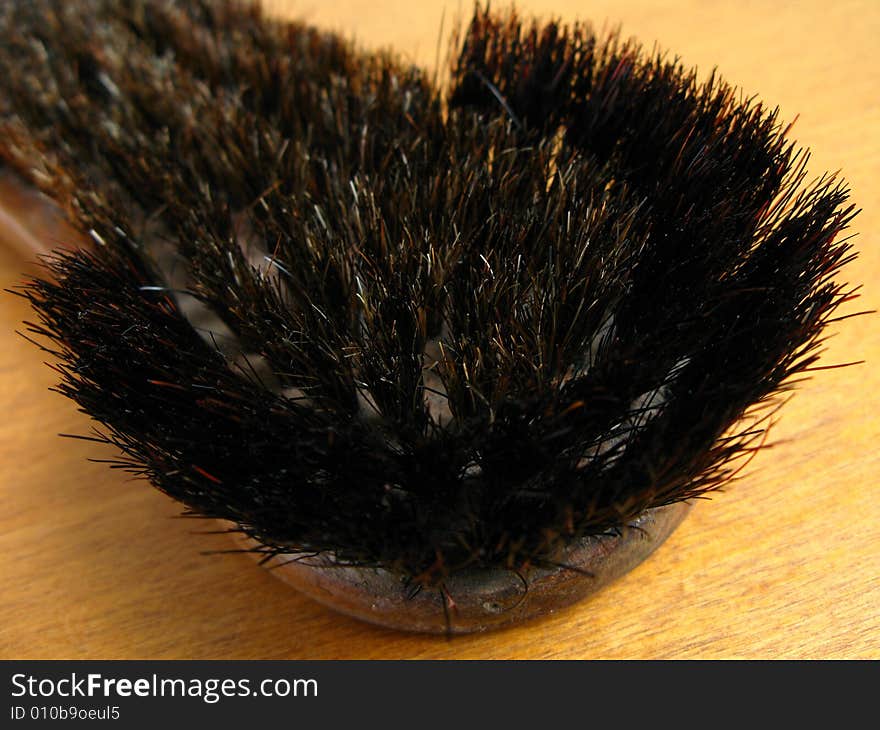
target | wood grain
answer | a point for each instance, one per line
(783, 564)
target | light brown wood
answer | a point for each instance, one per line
(783, 564)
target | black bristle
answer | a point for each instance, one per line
(461, 326)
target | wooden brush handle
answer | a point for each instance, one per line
(30, 224)
(478, 599)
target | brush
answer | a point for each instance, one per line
(502, 325)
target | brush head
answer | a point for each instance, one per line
(427, 328)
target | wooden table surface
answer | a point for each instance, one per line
(786, 563)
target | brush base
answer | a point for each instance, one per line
(480, 599)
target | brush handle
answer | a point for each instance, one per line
(479, 599)
(30, 223)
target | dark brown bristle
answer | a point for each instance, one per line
(461, 326)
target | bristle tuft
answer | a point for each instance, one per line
(421, 328)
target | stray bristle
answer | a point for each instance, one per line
(461, 325)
